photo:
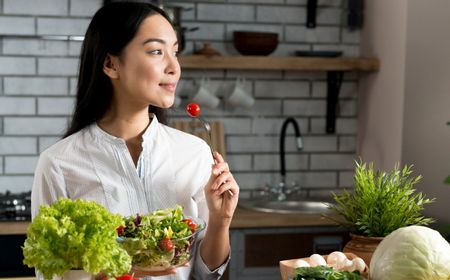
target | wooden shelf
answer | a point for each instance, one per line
(278, 63)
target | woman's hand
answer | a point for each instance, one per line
(221, 192)
(140, 273)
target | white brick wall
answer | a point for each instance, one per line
(34, 126)
(47, 141)
(84, 7)
(38, 84)
(34, 47)
(224, 12)
(58, 66)
(35, 86)
(282, 14)
(17, 25)
(17, 145)
(56, 106)
(17, 66)
(20, 165)
(16, 183)
(39, 7)
(61, 26)
(17, 106)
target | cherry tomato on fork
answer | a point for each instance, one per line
(193, 109)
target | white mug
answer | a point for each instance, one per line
(240, 97)
(203, 95)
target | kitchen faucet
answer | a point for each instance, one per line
(282, 186)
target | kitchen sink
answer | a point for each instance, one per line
(310, 205)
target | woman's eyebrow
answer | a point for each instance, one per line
(151, 40)
(161, 41)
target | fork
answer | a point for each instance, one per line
(207, 128)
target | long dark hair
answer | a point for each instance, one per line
(111, 29)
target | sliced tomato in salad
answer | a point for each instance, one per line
(120, 230)
(190, 224)
(166, 244)
(123, 277)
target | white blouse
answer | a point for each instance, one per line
(91, 164)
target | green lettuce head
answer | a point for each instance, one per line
(75, 234)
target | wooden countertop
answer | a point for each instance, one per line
(243, 218)
(19, 227)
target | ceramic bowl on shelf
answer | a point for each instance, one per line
(255, 43)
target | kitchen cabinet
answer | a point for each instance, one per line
(11, 261)
(260, 240)
(256, 252)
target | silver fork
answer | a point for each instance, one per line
(207, 128)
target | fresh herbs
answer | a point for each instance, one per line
(381, 202)
(75, 234)
(323, 272)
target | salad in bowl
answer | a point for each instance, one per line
(159, 240)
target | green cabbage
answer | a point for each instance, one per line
(411, 253)
(75, 234)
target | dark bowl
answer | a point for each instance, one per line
(255, 43)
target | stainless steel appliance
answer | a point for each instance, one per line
(13, 208)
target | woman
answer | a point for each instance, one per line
(117, 152)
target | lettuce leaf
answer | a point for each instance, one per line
(75, 234)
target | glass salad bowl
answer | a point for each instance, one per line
(161, 240)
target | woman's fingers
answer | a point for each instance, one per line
(220, 167)
(221, 179)
(228, 186)
(218, 157)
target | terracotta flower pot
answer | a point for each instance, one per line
(77, 275)
(362, 246)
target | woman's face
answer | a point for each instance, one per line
(148, 69)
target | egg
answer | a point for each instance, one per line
(346, 265)
(336, 259)
(301, 263)
(316, 259)
(358, 264)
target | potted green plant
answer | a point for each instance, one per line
(380, 203)
(75, 239)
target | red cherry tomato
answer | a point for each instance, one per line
(120, 230)
(193, 109)
(125, 277)
(166, 244)
(190, 224)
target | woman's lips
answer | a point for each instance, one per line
(168, 86)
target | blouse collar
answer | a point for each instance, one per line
(149, 132)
